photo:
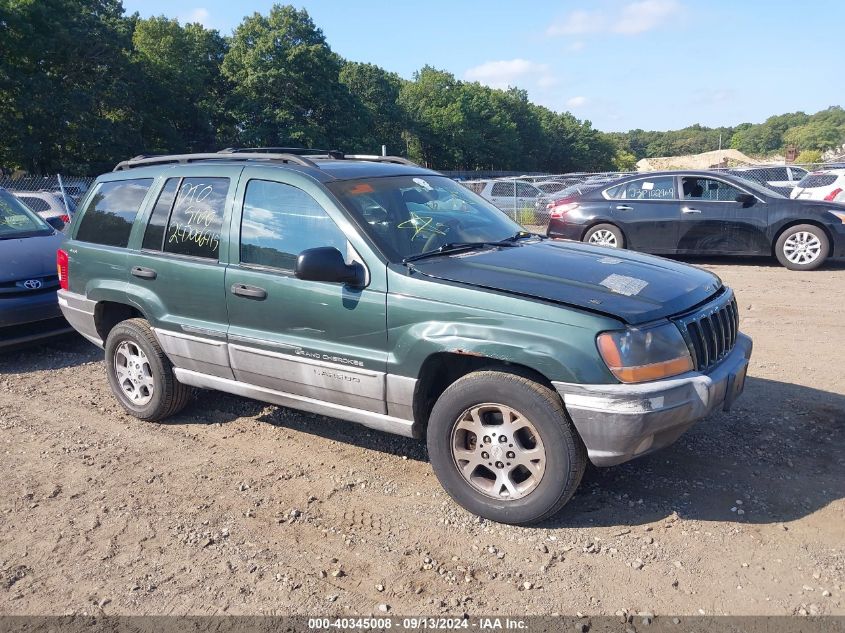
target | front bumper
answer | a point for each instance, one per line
(30, 317)
(619, 422)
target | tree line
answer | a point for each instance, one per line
(83, 85)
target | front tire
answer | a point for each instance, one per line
(802, 247)
(504, 448)
(605, 235)
(140, 374)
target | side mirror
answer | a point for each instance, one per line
(745, 199)
(326, 264)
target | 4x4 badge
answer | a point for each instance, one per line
(32, 284)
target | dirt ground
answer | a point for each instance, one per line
(243, 508)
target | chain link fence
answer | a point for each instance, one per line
(528, 199)
(48, 195)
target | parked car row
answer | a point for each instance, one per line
(703, 213)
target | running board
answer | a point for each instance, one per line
(378, 421)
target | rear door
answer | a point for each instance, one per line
(647, 210)
(319, 340)
(712, 221)
(176, 270)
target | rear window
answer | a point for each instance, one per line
(109, 215)
(817, 180)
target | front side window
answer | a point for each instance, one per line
(280, 221)
(197, 217)
(526, 191)
(111, 211)
(709, 189)
(407, 215)
(660, 188)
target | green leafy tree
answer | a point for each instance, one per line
(285, 84)
(808, 157)
(65, 85)
(179, 85)
(377, 93)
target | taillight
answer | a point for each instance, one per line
(65, 218)
(832, 195)
(560, 209)
(62, 268)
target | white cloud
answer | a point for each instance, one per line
(576, 102)
(199, 14)
(511, 72)
(639, 17)
(632, 19)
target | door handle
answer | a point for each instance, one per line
(690, 210)
(250, 292)
(144, 273)
(624, 207)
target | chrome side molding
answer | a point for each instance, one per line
(378, 421)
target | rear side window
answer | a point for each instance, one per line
(109, 215)
(36, 204)
(197, 217)
(280, 221)
(660, 188)
(817, 180)
(503, 189)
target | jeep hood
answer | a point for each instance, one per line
(630, 286)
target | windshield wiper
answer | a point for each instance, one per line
(521, 235)
(451, 247)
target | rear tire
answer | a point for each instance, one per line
(605, 235)
(504, 448)
(802, 247)
(140, 374)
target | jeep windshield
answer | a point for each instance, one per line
(412, 216)
(16, 221)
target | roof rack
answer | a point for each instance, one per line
(298, 151)
(382, 159)
(145, 160)
(295, 155)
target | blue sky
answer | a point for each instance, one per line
(622, 64)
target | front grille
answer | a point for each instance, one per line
(14, 289)
(711, 331)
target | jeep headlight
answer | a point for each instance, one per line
(638, 355)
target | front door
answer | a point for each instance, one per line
(320, 340)
(713, 222)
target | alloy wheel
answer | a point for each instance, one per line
(134, 373)
(603, 237)
(498, 451)
(802, 247)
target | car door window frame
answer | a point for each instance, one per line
(142, 221)
(357, 249)
(723, 181)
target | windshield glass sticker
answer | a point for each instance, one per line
(623, 285)
(424, 184)
(648, 186)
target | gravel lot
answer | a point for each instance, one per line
(243, 508)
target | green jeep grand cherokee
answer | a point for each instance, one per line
(371, 290)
